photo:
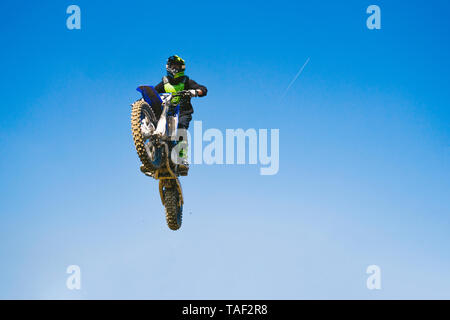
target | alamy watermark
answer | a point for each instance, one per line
(374, 280)
(238, 147)
(74, 20)
(374, 20)
(73, 282)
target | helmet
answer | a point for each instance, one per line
(175, 67)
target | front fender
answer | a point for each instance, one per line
(150, 96)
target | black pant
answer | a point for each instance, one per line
(183, 120)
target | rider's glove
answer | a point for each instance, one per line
(193, 93)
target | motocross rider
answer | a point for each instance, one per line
(175, 81)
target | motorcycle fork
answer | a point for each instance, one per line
(168, 181)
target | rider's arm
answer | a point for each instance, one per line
(202, 91)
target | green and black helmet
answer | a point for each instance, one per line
(175, 67)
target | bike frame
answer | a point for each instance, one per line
(168, 122)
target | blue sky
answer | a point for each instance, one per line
(364, 151)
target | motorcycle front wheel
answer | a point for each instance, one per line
(143, 123)
(174, 211)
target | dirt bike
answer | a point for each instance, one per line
(154, 122)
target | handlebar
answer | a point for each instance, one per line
(183, 93)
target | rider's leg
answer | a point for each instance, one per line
(183, 123)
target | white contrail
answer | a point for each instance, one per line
(295, 78)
